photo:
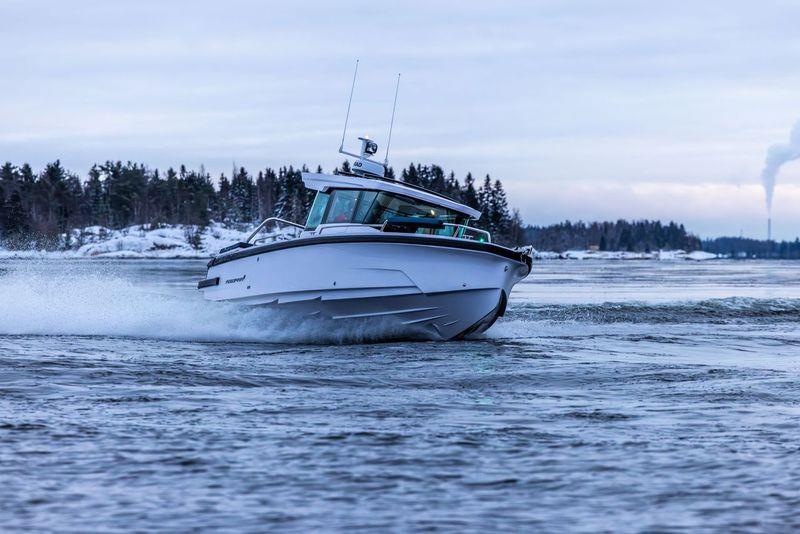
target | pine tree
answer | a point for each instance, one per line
(242, 196)
(498, 211)
(172, 200)
(3, 209)
(410, 176)
(16, 222)
(49, 190)
(96, 203)
(268, 192)
(9, 176)
(69, 200)
(155, 193)
(437, 180)
(197, 197)
(485, 203)
(307, 196)
(292, 205)
(469, 196)
(223, 205)
(516, 233)
(119, 194)
(345, 169)
(452, 187)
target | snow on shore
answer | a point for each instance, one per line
(183, 241)
(144, 241)
(663, 255)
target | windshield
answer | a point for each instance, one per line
(387, 205)
(359, 206)
(317, 210)
(342, 206)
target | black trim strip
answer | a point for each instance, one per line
(208, 283)
(240, 244)
(465, 244)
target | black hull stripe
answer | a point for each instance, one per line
(211, 282)
(463, 244)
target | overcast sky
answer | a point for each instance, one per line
(586, 110)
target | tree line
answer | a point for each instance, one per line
(38, 208)
(742, 247)
(636, 236)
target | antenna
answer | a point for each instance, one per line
(391, 124)
(349, 102)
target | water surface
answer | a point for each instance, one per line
(618, 396)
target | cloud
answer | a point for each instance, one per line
(598, 92)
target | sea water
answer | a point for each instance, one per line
(613, 396)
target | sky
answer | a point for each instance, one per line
(586, 110)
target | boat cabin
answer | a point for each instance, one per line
(349, 200)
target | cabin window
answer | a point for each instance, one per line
(343, 204)
(361, 206)
(365, 200)
(387, 205)
(317, 210)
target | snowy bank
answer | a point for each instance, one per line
(145, 241)
(662, 255)
(186, 241)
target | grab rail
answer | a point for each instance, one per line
(272, 219)
(321, 228)
(462, 229)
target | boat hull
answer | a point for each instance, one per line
(441, 291)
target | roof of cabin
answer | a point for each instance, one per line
(324, 182)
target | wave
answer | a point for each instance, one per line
(731, 310)
(95, 300)
(85, 300)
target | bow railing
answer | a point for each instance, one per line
(266, 222)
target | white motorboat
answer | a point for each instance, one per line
(374, 249)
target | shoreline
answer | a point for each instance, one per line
(571, 255)
(187, 242)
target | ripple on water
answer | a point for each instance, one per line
(121, 407)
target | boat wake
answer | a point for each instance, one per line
(85, 302)
(732, 310)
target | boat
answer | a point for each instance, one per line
(374, 250)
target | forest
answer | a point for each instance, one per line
(635, 236)
(37, 208)
(742, 247)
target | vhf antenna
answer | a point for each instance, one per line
(391, 124)
(364, 166)
(347, 117)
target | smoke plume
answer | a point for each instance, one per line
(777, 156)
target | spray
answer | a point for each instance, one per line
(66, 298)
(778, 155)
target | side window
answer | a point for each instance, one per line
(364, 204)
(342, 207)
(317, 210)
(387, 205)
(382, 208)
